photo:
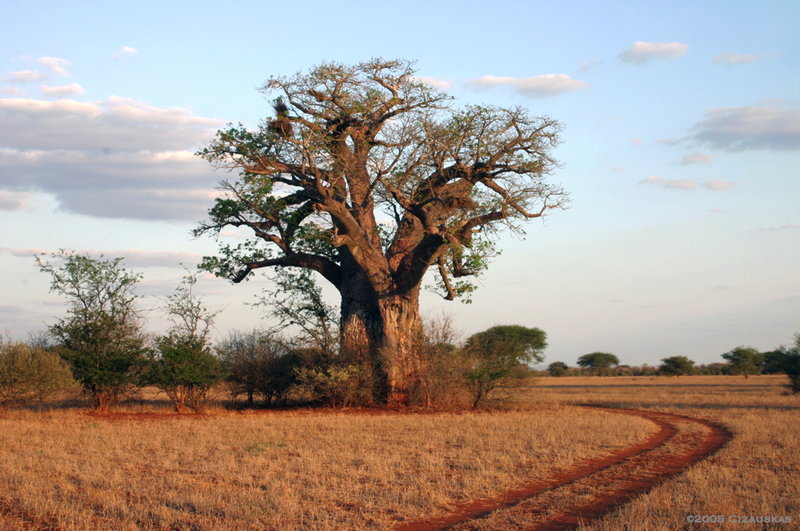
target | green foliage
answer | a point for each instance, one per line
(296, 300)
(601, 362)
(258, 363)
(558, 368)
(335, 385)
(101, 336)
(185, 367)
(744, 360)
(499, 356)
(28, 373)
(676, 365)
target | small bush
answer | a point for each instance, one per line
(29, 373)
(335, 385)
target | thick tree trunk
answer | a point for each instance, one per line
(382, 334)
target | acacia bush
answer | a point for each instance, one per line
(29, 373)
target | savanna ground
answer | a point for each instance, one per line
(352, 469)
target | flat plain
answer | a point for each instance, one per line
(145, 468)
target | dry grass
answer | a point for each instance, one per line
(755, 475)
(286, 470)
(356, 469)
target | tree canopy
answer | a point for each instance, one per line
(371, 179)
(601, 362)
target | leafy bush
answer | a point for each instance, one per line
(185, 370)
(101, 336)
(499, 356)
(676, 365)
(600, 362)
(558, 368)
(744, 360)
(29, 373)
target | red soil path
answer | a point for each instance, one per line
(617, 478)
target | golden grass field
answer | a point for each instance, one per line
(355, 469)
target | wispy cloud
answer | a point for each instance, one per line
(733, 59)
(25, 76)
(54, 64)
(686, 184)
(788, 226)
(696, 158)
(744, 128)
(434, 82)
(719, 185)
(72, 89)
(132, 257)
(125, 52)
(535, 87)
(640, 52)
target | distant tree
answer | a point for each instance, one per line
(774, 361)
(558, 368)
(101, 337)
(185, 367)
(30, 373)
(791, 364)
(676, 365)
(744, 360)
(600, 362)
(501, 355)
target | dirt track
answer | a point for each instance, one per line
(592, 489)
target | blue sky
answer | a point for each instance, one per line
(680, 151)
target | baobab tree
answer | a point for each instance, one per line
(372, 179)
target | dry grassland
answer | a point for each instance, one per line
(756, 475)
(365, 470)
(284, 470)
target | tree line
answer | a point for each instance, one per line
(741, 360)
(100, 345)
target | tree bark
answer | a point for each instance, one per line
(382, 334)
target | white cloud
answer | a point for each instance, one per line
(754, 127)
(25, 76)
(54, 64)
(732, 59)
(433, 82)
(640, 52)
(11, 91)
(536, 87)
(125, 51)
(64, 90)
(696, 158)
(115, 158)
(589, 65)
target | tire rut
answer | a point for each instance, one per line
(599, 486)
